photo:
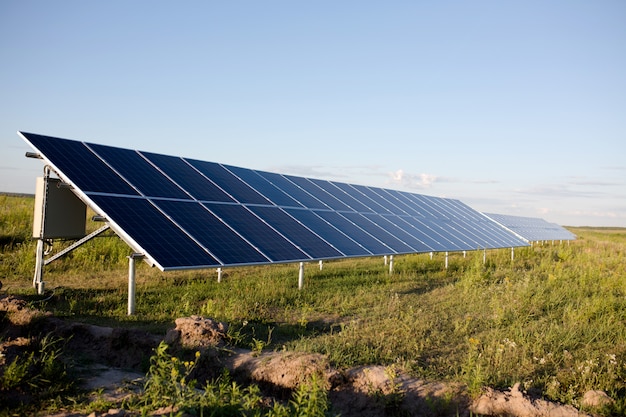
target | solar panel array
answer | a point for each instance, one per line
(532, 229)
(184, 213)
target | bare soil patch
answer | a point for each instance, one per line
(113, 362)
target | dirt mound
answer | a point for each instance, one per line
(197, 332)
(515, 403)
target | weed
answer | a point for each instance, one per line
(168, 383)
(40, 374)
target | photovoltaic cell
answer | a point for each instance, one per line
(532, 228)
(328, 232)
(74, 159)
(139, 172)
(405, 236)
(319, 193)
(297, 193)
(357, 192)
(359, 235)
(227, 181)
(372, 193)
(421, 231)
(221, 241)
(154, 232)
(302, 237)
(255, 180)
(257, 232)
(187, 177)
(186, 213)
(378, 232)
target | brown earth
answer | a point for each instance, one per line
(114, 359)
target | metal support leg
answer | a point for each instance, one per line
(131, 282)
(431, 256)
(321, 265)
(512, 254)
(484, 256)
(391, 264)
(219, 274)
(301, 276)
(131, 285)
(385, 259)
(39, 262)
(446, 260)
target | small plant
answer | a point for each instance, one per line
(259, 345)
(167, 382)
(310, 399)
(395, 396)
(40, 374)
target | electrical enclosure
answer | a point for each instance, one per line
(65, 214)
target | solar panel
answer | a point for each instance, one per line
(532, 229)
(185, 213)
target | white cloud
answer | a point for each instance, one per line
(416, 181)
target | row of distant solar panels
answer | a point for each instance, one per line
(532, 229)
(185, 213)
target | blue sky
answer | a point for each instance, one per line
(515, 107)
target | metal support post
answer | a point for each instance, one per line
(512, 254)
(131, 282)
(301, 276)
(321, 265)
(219, 274)
(464, 254)
(446, 260)
(391, 264)
(38, 282)
(385, 259)
(431, 256)
(484, 256)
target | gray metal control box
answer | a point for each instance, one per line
(65, 214)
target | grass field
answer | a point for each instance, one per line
(553, 319)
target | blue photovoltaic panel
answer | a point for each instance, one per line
(186, 213)
(255, 180)
(196, 184)
(532, 229)
(317, 192)
(139, 172)
(405, 236)
(351, 190)
(257, 232)
(329, 233)
(336, 189)
(395, 197)
(221, 241)
(306, 199)
(170, 246)
(373, 193)
(378, 232)
(421, 231)
(74, 159)
(302, 237)
(359, 235)
(425, 205)
(227, 181)
(459, 240)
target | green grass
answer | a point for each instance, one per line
(553, 319)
